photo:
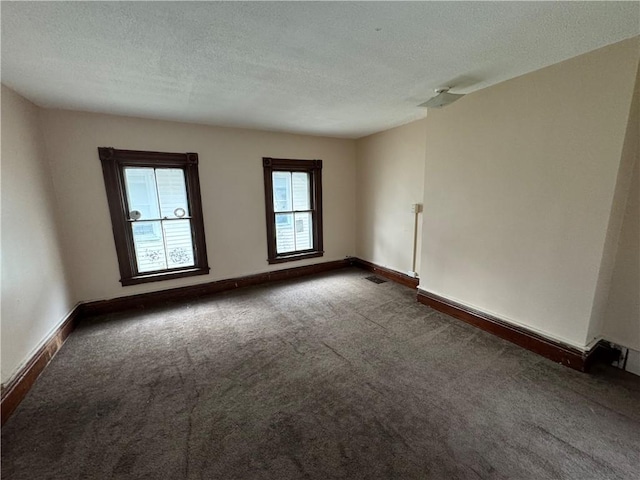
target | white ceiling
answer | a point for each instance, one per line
(343, 69)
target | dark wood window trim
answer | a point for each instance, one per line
(113, 164)
(314, 169)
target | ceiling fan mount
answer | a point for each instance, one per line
(442, 98)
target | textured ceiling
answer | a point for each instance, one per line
(339, 69)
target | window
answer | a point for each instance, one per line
(293, 201)
(156, 214)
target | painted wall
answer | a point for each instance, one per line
(519, 186)
(231, 180)
(620, 321)
(613, 257)
(390, 177)
(622, 316)
(35, 296)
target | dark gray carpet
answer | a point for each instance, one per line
(327, 377)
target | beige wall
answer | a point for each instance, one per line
(620, 322)
(35, 297)
(232, 193)
(622, 316)
(390, 177)
(519, 185)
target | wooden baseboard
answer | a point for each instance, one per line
(557, 351)
(386, 272)
(146, 300)
(19, 386)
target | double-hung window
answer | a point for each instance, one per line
(156, 214)
(293, 201)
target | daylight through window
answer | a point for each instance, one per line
(293, 194)
(156, 214)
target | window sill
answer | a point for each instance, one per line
(159, 276)
(294, 257)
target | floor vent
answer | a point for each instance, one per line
(375, 279)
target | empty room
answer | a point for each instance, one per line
(288, 240)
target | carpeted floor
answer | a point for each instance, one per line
(326, 377)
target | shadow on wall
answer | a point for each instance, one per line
(616, 307)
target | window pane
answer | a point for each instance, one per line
(301, 197)
(141, 193)
(304, 231)
(282, 191)
(172, 192)
(149, 246)
(177, 235)
(285, 239)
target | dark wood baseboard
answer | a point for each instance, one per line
(386, 272)
(551, 349)
(191, 292)
(19, 386)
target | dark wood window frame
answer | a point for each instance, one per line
(113, 165)
(314, 169)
